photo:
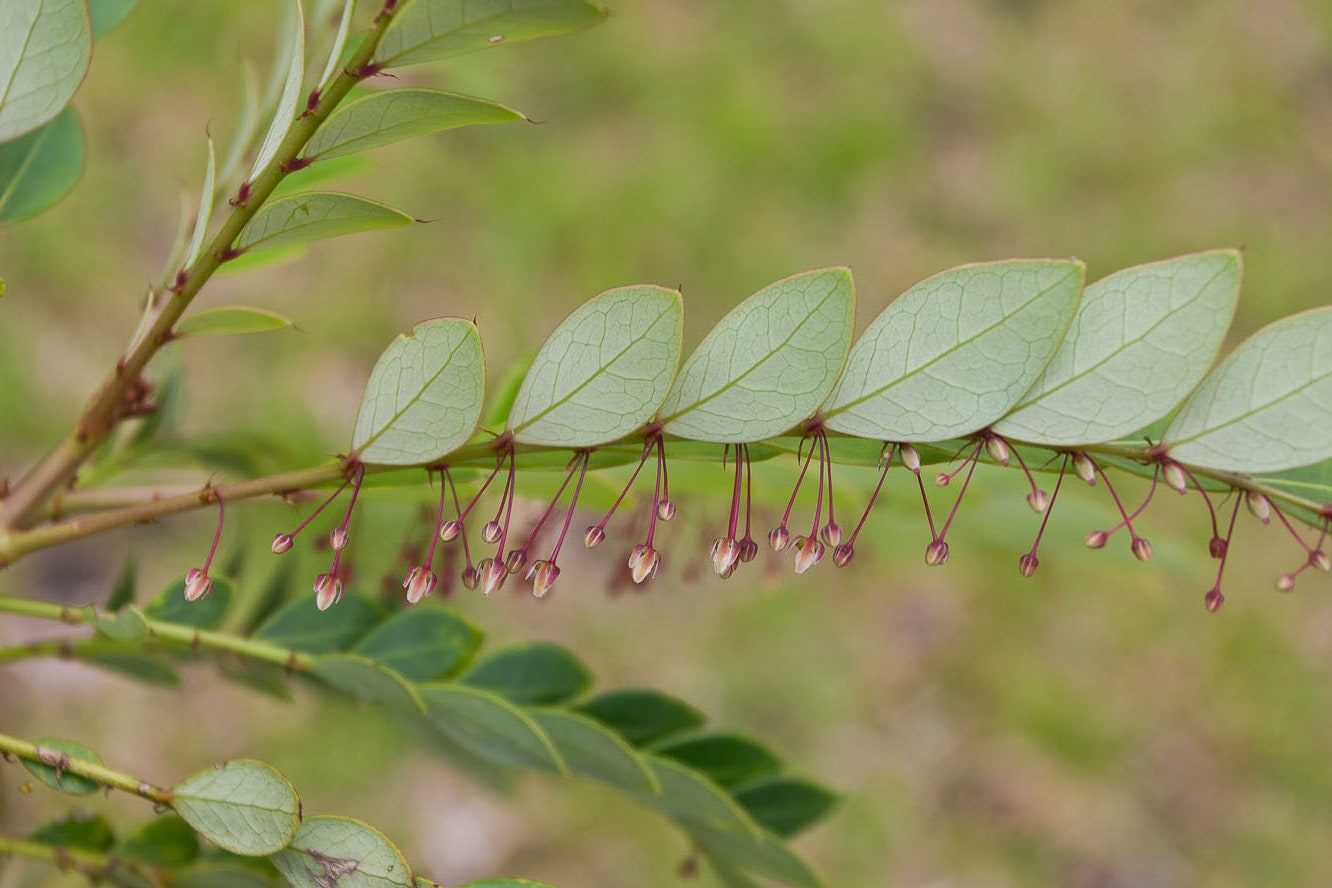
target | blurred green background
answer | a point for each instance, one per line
(1090, 726)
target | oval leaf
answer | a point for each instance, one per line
(244, 806)
(302, 626)
(232, 873)
(40, 167)
(45, 46)
(489, 727)
(392, 115)
(128, 659)
(769, 364)
(162, 841)
(1268, 406)
(785, 805)
(695, 801)
(594, 751)
(423, 643)
(424, 396)
(437, 29)
(78, 829)
(727, 759)
(535, 673)
(367, 680)
(603, 372)
(231, 320)
(1139, 342)
(315, 215)
(338, 851)
(956, 351)
(641, 715)
(52, 770)
(293, 44)
(208, 612)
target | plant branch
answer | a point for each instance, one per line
(93, 864)
(13, 747)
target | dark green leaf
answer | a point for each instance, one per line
(506, 883)
(391, 115)
(263, 677)
(427, 30)
(128, 659)
(785, 805)
(490, 727)
(641, 715)
(302, 626)
(163, 841)
(367, 680)
(422, 643)
(314, 215)
(695, 801)
(45, 46)
(122, 593)
(232, 320)
(244, 806)
(208, 612)
(590, 749)
(728, 874)
(52, 770)
(341, 852)
(40, 167)
(223, 875)
(534, 674)
(727, 759)
(272, 596)
(78, 829)
(106, 14)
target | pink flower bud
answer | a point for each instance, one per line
(420, 582)
(997, 448)
(543, 575)
(1085, 468)
(1173, 473)
(1141, 549)
(491, 532)
(643, 562)
(1259, 505)
(1214, 599)
(1096, 539)
(197, 584)
(832, 534)
(282, 543)
(1286, 582)
(1217, 547)
(516, 560)
(328, 591)
(1318, 558)
(843, 554)
(449, 530)
(595, 536)
(1039, 500)
(337, 538)
(665, 510)
(1028, 563)
(471, 578)
(936, 553)
(725, 554)
(809, 552)
(778, 538)
(493, 573)
(943, 479)
(748, 549)
(910, 457)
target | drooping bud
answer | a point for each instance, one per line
(643, 562)
(778, 539)
(910, 457)
(1085, 468)
(282, 543)
(1318, 558)
(516, 560)
(595, 536)
(1173, 473)
(491, 532)
(1286, 582)
(471, 577)
(943, 479)
(197, 584)
(725, 555)
(543, 575)
(1028, 563)
(449, 530)
(1142, 550)
(748, 550)
(843, 554)
(493, 573)
(1096, 539)
(328, 591)
(1217, 547)
(1039, 500)
(997, 448)
(420, 582)
(936, 553)
(832, 534)
(809, 552)
(1259, 505)
(665, 510)
(337, 539)
(1214, 599)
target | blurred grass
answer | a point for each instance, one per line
(1092, 726)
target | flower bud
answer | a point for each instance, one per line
(665, 510)
(997, 448)
(1096, 539)
(943, 479)
(420, 582)
(491, 531)
(543, 575)
(516, 561)
(1217, 547)
(832, 534)
(725, 554)
(643, 562)
(197, 584)
(1259, 505)
(1318, 558)
(493, 573)
(282, 543)
(471, 578)
(809, 552)
(1141, 549)
(337, 538)
(779, 538)
(910, 457)
(594, 537)
(449, 530)
(1085, 468)
(843, 554)
(936, 553)
(1286, 582)
(1039, 500)
(1214, 599)
(1028, 563)
(1173, 473)
(328, 591)
(748, 549)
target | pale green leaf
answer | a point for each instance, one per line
(315, 215)
(490, 727)
(106, 14)
(339, 41)
(52, 770)
(128, 659)
(293, 47)
(231, 320)
(532, 673)
(124, 625)
(45, 47)
(695, 801)
(769, 364)
(1268, 406)
(1139, 342)
(40, 167)
(422, 643)
(955, 352)
(338, 851)
(244, 806)
(764, 854)
(603, 372)
(506, 883)
(367, 680)
(205, 214)
(427, 30)
(223, 874)
(595, 751)
(424, 396)
(392, 115)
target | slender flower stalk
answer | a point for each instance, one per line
(197, 582)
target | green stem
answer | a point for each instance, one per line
(92, 864)
(44, 755)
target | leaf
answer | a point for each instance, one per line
(955, 352)
(729, 875)
(45, 46)
(727, 759)
(244, 806)
(428, 30)
(696, 802)
(211, 874)
(768, 364)
(293, 44)
(1268, 406)
(592, 750)
(78, 829)
(603, 372)
(315, 215)
(424, 396)
(205, 214)
(338, 851)
(316, 176)
(763, 853)
(367, 680)
(535, 673)
(334, 63)
(266, 678)
(106, 14)
(490, 727)
(128, 660)
(392, 115)
(162, 841)
(422, 643)
(125, 625)
(40, 167)
(1139, 342)
(208, 612)
(55, 754)
(230, 320)
(302, 626)
(272, 597)
(122, 593)
(785, 805)
(642, 715)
